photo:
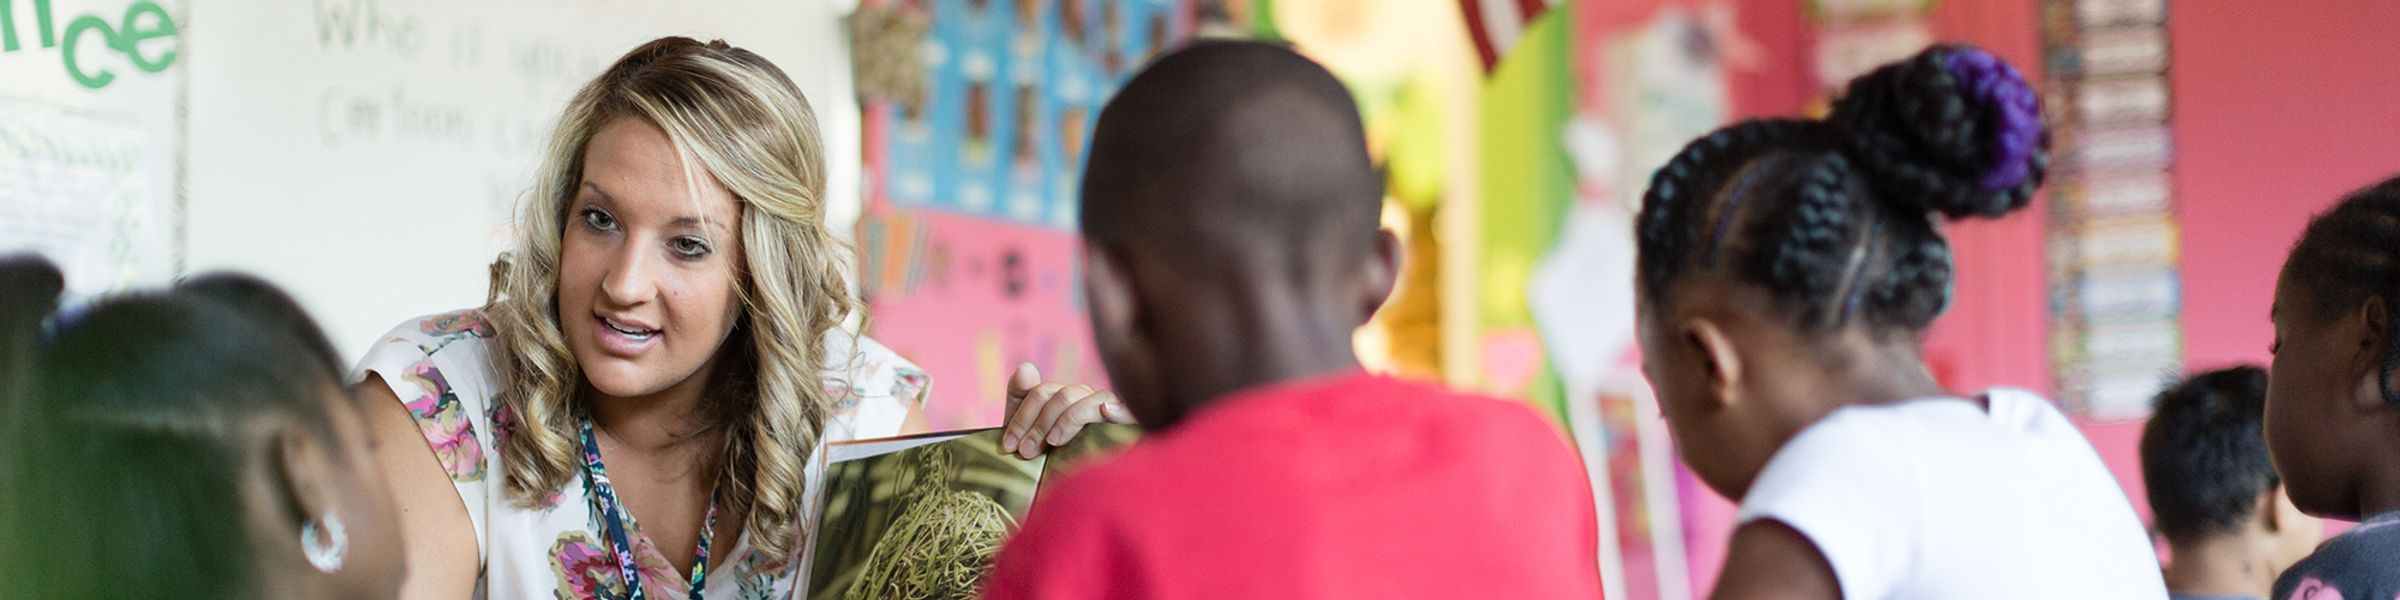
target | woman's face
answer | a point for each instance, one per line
(647, 270)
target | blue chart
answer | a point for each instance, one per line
(1013, 89)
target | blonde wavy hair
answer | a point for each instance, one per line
(743, 121)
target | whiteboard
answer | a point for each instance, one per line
(369, 154)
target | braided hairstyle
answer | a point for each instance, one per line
(2350, 254)
(1835, 216)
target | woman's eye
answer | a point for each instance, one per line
(689, 247)
(599, 221)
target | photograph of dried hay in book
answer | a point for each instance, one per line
(921, 517)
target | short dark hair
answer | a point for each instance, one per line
(1234, 147)
(2204, 459)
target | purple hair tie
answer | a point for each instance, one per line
(2015, 108)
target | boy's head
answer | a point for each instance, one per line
(2204, 464)
(2334, 403)
(1230, 220)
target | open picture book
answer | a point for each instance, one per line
(923, 516)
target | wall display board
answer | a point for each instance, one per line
(2113, 258)
(969, 253)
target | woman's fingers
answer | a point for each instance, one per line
(1037, 440)
(1100, 407)
(1042, 415)
(1022, 381)
(1024, 424)
(1113, 410)
(1025, 403)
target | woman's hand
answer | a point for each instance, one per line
(1045, 415)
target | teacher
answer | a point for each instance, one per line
(633, 414)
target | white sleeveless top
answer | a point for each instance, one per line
(1940, 498)
(442, 368)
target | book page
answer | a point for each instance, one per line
(916, 517)
(923, 516)
(854, 450)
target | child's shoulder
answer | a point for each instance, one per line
(1998, 413)
(2357, 563)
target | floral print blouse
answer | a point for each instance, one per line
(441, 367)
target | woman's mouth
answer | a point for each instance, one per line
(623, 337)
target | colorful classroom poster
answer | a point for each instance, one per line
(2115, 306)
(968, 248)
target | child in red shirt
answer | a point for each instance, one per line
(1231, 245)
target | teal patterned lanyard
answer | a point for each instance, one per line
(613, 518)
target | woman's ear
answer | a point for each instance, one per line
(1715, 349)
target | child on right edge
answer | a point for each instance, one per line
(2333, 404)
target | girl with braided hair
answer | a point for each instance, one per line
(2333, 404)
(1787, 272)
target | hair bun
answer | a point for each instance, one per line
(1952, 130)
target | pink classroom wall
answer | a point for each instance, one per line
(2280, 109)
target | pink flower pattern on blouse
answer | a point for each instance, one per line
(466, 321)
(444, 424)
(659, 578)
(584, 570)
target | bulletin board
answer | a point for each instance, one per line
(969, 257)
(2116, 323)
(91, 126)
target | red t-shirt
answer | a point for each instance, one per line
(1349, 486)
